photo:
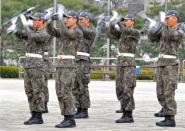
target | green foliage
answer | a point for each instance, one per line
(72, 4)
(9, 71)
(13, 7)
(139, 23)
(99, 74)
(143, 75)
(181, 53)
(155, 9)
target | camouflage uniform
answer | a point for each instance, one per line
(126, 76)
(66, 67)
(167, 68)
(34, 74)
(46, 67)
(81, 91)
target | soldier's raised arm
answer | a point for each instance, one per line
(52, 30)
(89, 33)
(40, 36)
(114, 29)
(154, 33)
(21, 35)
(66, 32)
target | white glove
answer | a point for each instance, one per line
(114, 17)
(162, 16)
(49, 13)
(152, 23)
(12, 29)
(117, 27)
(29, 23)
(23, 20)
(60, 11)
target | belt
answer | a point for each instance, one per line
(46, 53)
(126, 54)
(66, 57)
(167, 56)
(33, 55)
(83, 53)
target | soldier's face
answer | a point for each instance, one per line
(129, 23)
(84, 21)
(171, 21)
(70, 22)
(38, 24)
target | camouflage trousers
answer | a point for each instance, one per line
(167, 78)
(45, 87)
(125, 84)
(65, 78)
(81, 91)
(33, 83)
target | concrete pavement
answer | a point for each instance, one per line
(14, 108)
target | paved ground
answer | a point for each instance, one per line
(14, 108)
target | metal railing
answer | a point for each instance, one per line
(105, 73)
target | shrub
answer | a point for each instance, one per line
(145, 73)
(98, 74)
(9, 71)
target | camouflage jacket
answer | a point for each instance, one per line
(36, 40)
(169, 41)
(86, 43)
(69, 40)
(128, 39)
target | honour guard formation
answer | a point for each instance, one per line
(75, 35)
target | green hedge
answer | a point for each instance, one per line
(146, 72)
(96, 74)
(9, 71)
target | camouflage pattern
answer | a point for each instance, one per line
(34, 74)
(33, 83)
(125, 84)
(66, 68)
(167, 69)
(46, 77)
(81, 91)
(126, 76)
(167, 78)
(46, 67)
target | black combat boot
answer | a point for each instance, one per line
(78, 111)
(30, 119)
(35, 119)
(169, 121)
(120, 111)
(82, 114)
(126, 118)
(46, 108)
(68, 122)
(160, 113)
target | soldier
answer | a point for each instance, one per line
(36, 38)
(169, 36)
(46, 65)
(126, 76)
(70, 36)
(81, 91)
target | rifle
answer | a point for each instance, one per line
(14, 19)
(24, 12)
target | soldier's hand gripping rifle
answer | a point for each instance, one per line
(51, 15)
(151, 24)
